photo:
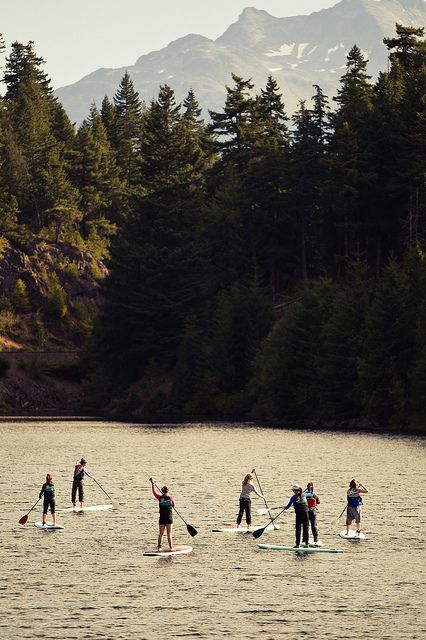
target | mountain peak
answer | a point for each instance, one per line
(297, 51)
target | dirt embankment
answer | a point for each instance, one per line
(37, 384)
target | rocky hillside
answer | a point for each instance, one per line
(49, 295)
(298, 51)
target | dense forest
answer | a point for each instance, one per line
(258, 264)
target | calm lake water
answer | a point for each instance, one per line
(92, 581)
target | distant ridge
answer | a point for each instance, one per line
(298, 51)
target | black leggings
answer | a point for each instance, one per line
(48, 502)
(245, 505)
(77, 485)
(302, 521)
(313, 520)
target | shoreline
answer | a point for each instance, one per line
(329, 426)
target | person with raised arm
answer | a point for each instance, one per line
(165, 522)
(77, 484)
(353, 511)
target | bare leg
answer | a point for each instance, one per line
(160, 536)
(44, 518)
(169, 536)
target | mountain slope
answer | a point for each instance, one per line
(298, 51)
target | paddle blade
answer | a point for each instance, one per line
(23, 519)
(258, 532)
(191, 530)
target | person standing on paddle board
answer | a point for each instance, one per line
(312, 500)
(166, 504)
(47, 492)
(353, 511)
(300, 504)
(245, 500)
(77, 484)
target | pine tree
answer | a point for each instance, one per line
(128, 125)
(234, 126)
(286, 382)
(96, 175)
(388, 349)
(350, 183)
(158, 262)
(265, 183)
(341, 340)
(29, 102)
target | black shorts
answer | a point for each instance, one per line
(166, 519)
(48, 502)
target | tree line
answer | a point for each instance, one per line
(264, 263)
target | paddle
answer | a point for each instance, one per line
(336, 521)
(260, 487)
(114, 504)
(191, 530)
(25, 517)
(258, 532)
(265, 512)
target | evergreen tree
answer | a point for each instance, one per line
(266, 182)
(341, 340)
(286, 383)
(388, 349)
(234, 126)
(348, 189)
(96, 175)
(128, 124)
(158, 261)
(29, 103)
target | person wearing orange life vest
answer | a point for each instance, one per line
(313, 500)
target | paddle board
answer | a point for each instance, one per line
(177, 551)
(352, 535)
(277, 547)
(236, 529)
(48, 526)
(318, 543)
(94, 507)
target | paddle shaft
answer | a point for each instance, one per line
(339, 516)
(258, 532)
(188, 526)
(102, 489)
(25, 517)
(264, 499)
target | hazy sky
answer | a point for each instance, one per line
(76, 37)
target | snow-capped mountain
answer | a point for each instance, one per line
(298, 51)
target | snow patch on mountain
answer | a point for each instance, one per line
(284, 50)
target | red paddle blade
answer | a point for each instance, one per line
(23, 519)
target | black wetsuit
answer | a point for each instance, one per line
(48, 493)
(77, 484)
(166, 509)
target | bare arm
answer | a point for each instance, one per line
(361, 488)
(154, 490)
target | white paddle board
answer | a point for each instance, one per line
(277, 547)
(94, 507)
(48, 526)
(177, 551)
(235, 529)
(353, 535)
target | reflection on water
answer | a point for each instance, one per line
(91, 581)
